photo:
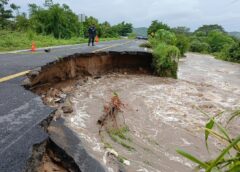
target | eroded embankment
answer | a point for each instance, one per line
(91, 64)
(54, 82)
(155, 116)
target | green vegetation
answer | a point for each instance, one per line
(164, 36)
(155, 26)
(178, 36)
(198, 46)
(165, 51)
(119, 135)
(182, 43)
(121, 159)
(218, 41)
(146, 45)
(229, 158)
(212, 39)
(50, 24)
(12, 40)
(182, 30)
(206, 29)
(166, 60)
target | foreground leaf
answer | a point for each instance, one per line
(221, 156)
(192, 158)
(234, 115)
(209, 126)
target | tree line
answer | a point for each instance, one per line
(211, 39)
(57, 20)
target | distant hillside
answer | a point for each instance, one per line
(235, 34)
(141, 31)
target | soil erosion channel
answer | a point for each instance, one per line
(113, 114)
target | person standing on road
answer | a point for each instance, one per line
(91, 33)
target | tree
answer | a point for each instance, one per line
(106, 30)
(166, 37)
(218, 40)
(6, 14)
(33, 8)
(15, 8)
(123, 29)
(234, 52)
(182, 43)
(155, 26)
(206, 29)
(198, 46)
(22, 23)
(54, 19)
(181, 30)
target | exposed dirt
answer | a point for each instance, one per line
(48, 157)
(93, 64)
(160, 113)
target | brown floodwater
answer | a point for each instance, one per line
(161, 113)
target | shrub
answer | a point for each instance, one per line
(165, 60)
(234, 53)
(182, 44)
(218, 40)
(230, 53)
(146, 45)
(197, 46)
(153, 42)
(166, 37)
(155, 26)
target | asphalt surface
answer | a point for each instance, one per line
(21, 111)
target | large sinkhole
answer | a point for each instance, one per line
(113, 114)
(92, 64)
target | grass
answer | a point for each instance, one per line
(12, 40)
(121, 159)
(121, 133)
(146, 45)
(120, 136)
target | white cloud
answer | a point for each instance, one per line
(191, 13)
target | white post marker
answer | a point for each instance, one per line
(81, 19)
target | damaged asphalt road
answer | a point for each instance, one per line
(22, 111)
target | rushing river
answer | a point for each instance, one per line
(161, 113)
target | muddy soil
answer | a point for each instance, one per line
(161, 113)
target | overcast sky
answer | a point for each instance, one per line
(190, 13)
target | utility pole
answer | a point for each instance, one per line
(81, 18)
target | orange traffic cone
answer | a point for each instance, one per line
(33, 47)
(96, 39)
